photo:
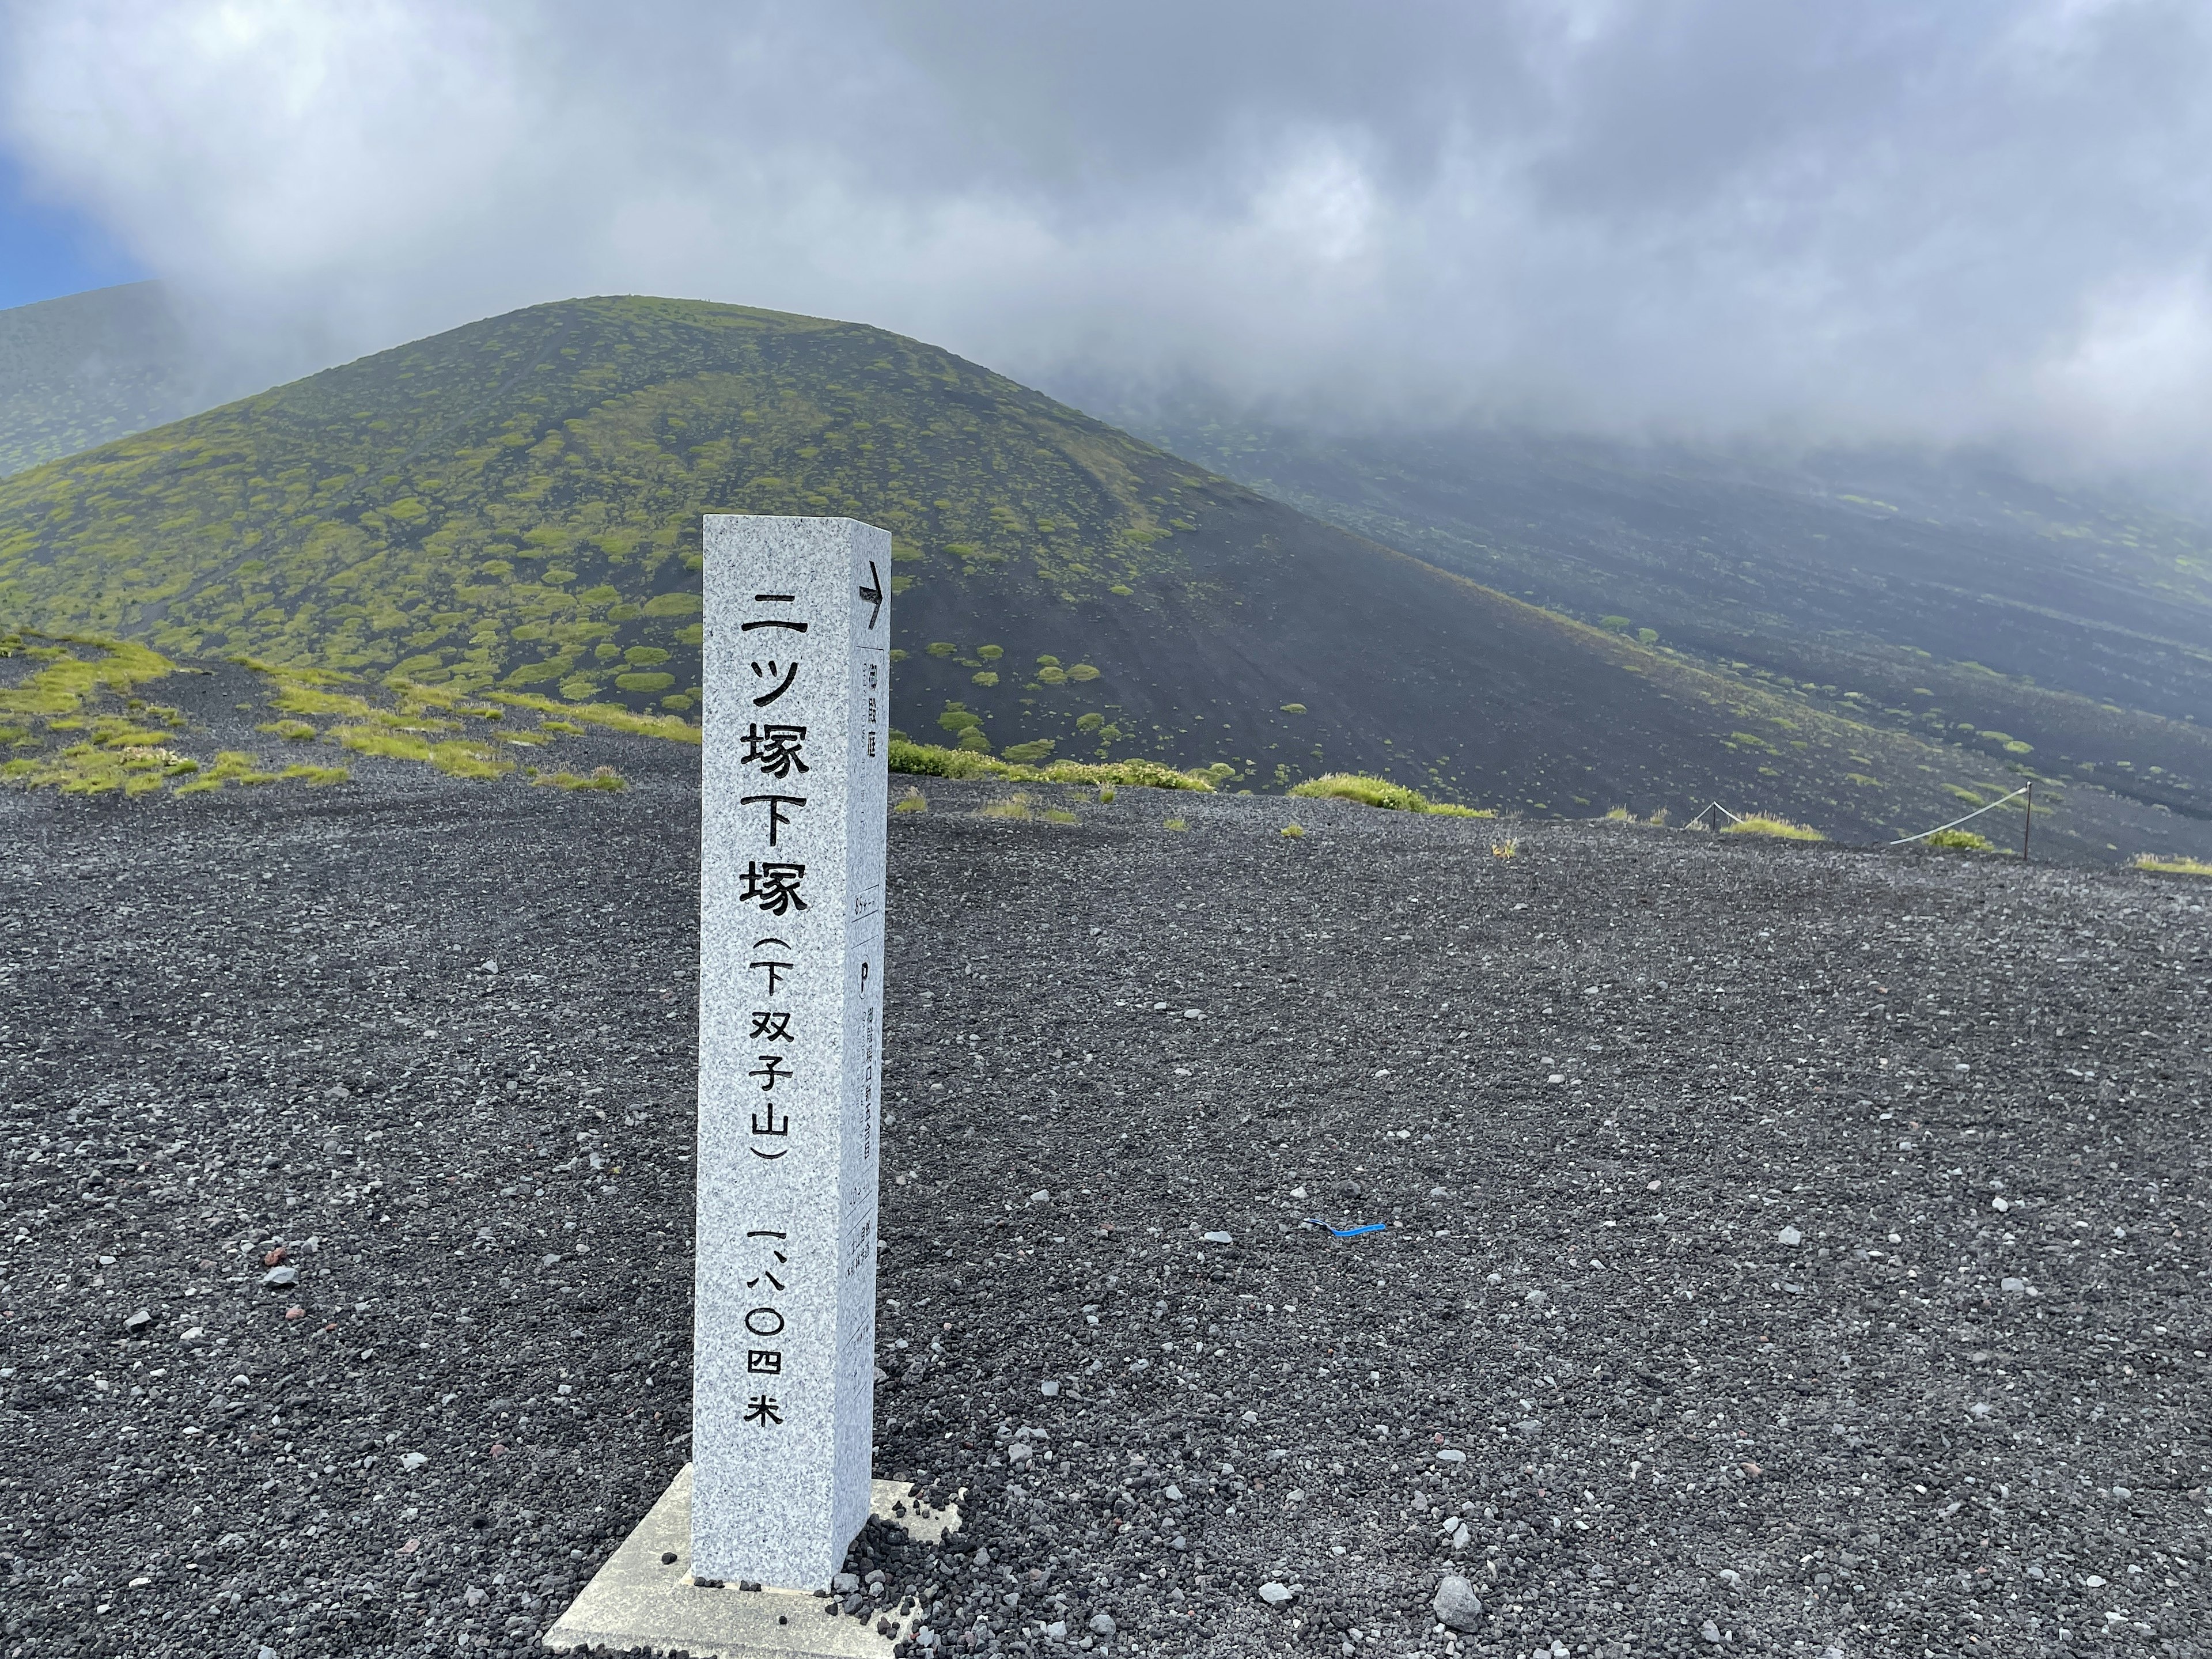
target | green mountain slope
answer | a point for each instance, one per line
(514, 505)
(87, 369)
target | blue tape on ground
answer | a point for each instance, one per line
(1351, 1232)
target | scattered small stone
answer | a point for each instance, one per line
(1218, 1238)
(1049, 1387)
(845, 1583)
(1274, 1593)
(1790, 1237)
(1456, 1604)
(1101, 1624)
(278, 1276)
(475, 1596)
(139, 1321)
(1711, 1632)
(412, 1461)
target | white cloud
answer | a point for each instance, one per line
(1716, 218)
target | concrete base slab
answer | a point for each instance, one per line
(644, 1596)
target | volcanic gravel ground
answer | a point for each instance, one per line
(1789, 1249)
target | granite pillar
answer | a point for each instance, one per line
(797, 646)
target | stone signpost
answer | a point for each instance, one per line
(797, 638)
(791, 996)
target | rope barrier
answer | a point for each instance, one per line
(1955, 823)
(2027, 830)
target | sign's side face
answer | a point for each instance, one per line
(792, 788)
(867, 818)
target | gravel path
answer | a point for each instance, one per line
(1789, 1246)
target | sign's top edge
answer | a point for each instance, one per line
(791, 519)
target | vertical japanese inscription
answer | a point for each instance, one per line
(797, 637)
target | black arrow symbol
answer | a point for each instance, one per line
(873, 594)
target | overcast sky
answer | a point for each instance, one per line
(1720, 218)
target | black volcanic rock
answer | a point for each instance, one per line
(1931, 1424)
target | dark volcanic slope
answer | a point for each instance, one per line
(1948, 597)
(516, 503)
(88, 368)
(1692, 1155)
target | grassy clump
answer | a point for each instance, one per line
(600, 777)
(1763, 824)
(231, 766)
(456, 757)
(291, 731)
(1295, 831)
(1176, 823)
(1014, 806)
(2176, 865)
(61, 687)
(318, 777)
(929, 760)
(613, 716)
(95, 769)
(1507, 848)
(1959, 841)
(1059, 815)
(1381, 792)
(468, 760)
(913, 801)
(383, 742)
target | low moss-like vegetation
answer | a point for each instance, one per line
(913, 801)
(613, 716)
(1763, 824)
(1506, 848)
(1013, 806)
(383, 742)
(930, 760)
(2175, 865)
(1295, 831)
(1059, 815)
(291, 731)
(1959, 841)
(600, 777)
(1382, 793)
(1176, 823)
(61, 687)
(318, 777)
(95, 769)
(456, 757)
(231, 766)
